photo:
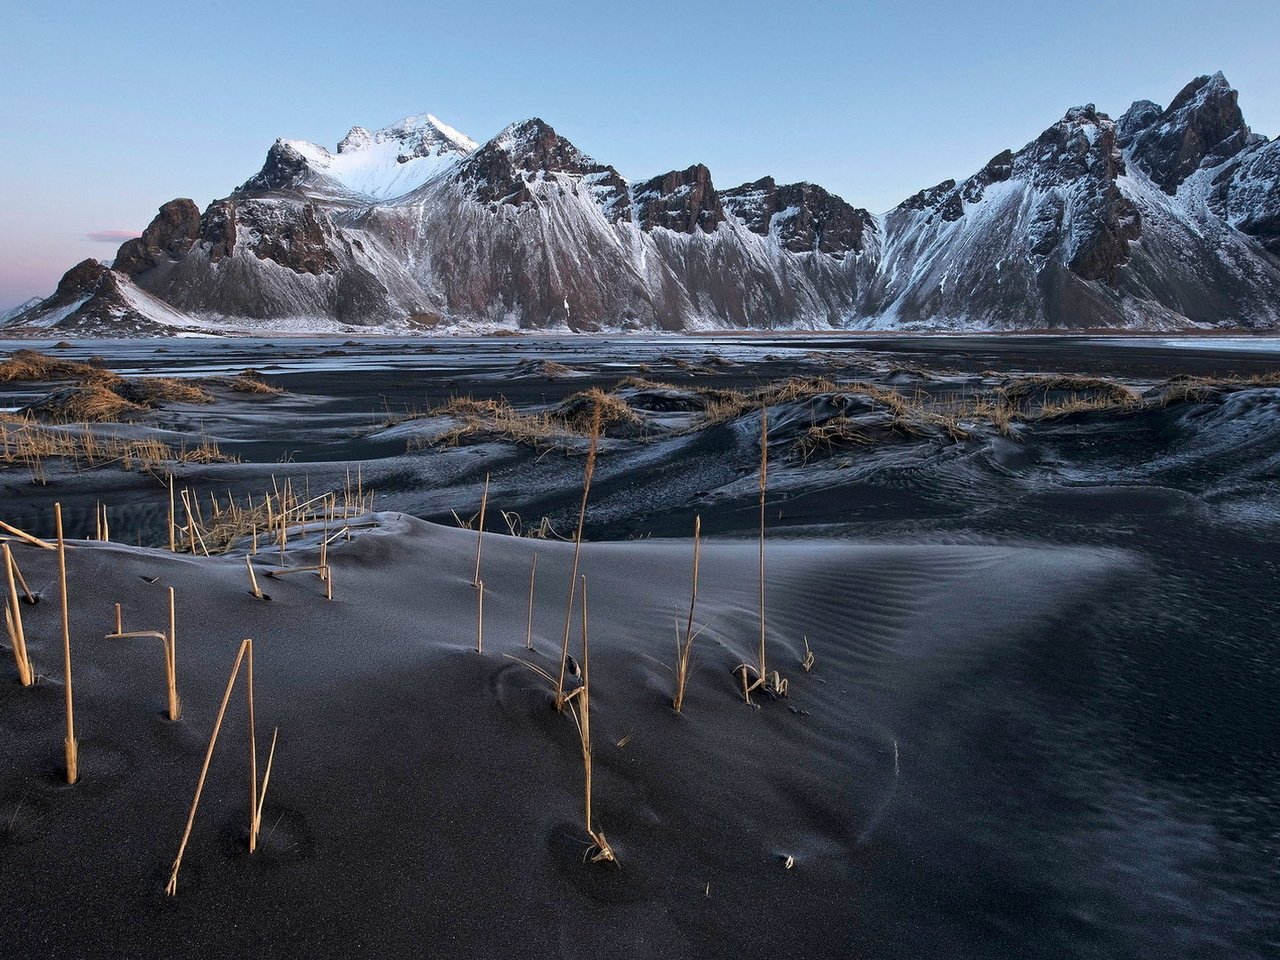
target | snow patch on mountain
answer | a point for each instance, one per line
(377, 166)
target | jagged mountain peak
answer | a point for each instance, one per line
(803, 216)
(510, 167)
(1202, 127)
(414, 226)
(419, 135)
(533, 144)
(1140, 115)
(368, 166)
(1204, 89)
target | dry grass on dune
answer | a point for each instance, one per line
(90, 402)
(1197, 389)
(250, 381)
(1025, 399)
(496, 419)
(1097, 389)
(27, 443)
(147, 391)
(101, 396)
(489, 419)
(642, 383)
(581, 410)
(34, 365)
(836, 432)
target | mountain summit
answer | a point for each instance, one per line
(1168, 217)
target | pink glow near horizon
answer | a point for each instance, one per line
(111, 236)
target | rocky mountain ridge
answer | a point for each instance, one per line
(1168, 217)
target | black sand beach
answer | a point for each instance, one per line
(1042, 720)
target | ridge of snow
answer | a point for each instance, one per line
(21, 308)
(389, 162)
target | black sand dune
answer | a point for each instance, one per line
(426, 797)
(1043, 719)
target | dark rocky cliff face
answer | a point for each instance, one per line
(1247, 194)
(947, 200)
(285, 169)
(168, 237)
(1166, 217)
(1202, 127)
(682, 201)
(1074, 165)
(501, 170)
(80, 281)
(807, 217)
(294, 235)
(1081, 152)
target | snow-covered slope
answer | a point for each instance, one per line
(376, 166)
(93, 300)
(1166, 218)
(21, 308)
(1141, 223)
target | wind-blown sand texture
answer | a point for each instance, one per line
(1041, 719)
(426, 795)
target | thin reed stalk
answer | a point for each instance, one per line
(173, 542)
(603, 851)
(480, 617)
(253, 759)
(528, 630)
(484, 503)
(266, 779)
(684, 649)
(171, 661)
(587, 473)
(72, 748)
(25, 673)
(172, 887)
(26, 537)
(22, 582)
(253, 579)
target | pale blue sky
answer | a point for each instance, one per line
(108, 110)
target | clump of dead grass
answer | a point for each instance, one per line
(34, 365)
(581, 410)
(148, 391)
(250, 381)
(642, 383)
(1101, 392)
(89, 402)
(25, 442)
(492, 420)
(558, 429)
(551, 369)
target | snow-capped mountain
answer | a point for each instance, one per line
(1164, 218)
(375, 167)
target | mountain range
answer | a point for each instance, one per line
(1165, 218)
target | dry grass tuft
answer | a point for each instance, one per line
(34, 365)
(148, 391)
(580, 411)
(1100, 392)
(25, 442)
(642, 383)
(836, 432)
(90, 402)
(559, 429)
(250, 381)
